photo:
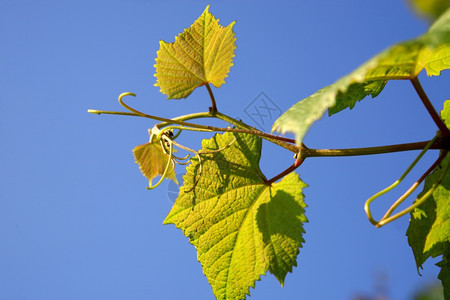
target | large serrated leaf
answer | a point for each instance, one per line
(241, 226)
(405, 60)
(202, 54)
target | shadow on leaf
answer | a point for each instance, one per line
(280, 222)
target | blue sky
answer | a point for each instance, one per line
(76, 221)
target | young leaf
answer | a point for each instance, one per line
(202, 54)
(429, 228)
(241, 226)
(405, 60)
(153, 160)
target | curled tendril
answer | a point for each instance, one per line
(127, 106)
(167, 137)
(176, 135)
(424, 197)
(169, 163)
(387, 218)
(180, 161)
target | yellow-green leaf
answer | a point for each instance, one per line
(153, 160)
(202, 54)
(241, 226)
(405, 60)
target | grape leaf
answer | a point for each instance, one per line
(153, 160)
(202, 54)
(406, 60)
(240, 225)
(429, 228)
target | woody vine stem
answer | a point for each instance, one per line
(440, 141)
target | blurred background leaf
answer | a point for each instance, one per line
(429, 9)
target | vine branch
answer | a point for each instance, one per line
(281, 141)
(440, 143)
(289, 144)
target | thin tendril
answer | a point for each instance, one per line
(169, 163)
(392, 186)
(128, 107)
(182, 158)
(176, 135)
(182, 163)
(422, 199)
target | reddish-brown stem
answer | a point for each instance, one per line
(291, 168)
(213, 108)
(426, 101)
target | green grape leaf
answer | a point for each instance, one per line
(202, 54)
(429, 228)
(240, 225)
(406, 60)
(153, 160)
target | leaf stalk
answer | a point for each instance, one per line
(426, 101)
(290, 169)
(213, 108)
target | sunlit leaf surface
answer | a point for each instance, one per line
(153, 160)
(202, 54)
(240, 226)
